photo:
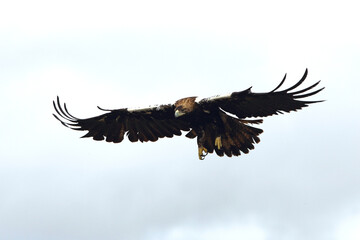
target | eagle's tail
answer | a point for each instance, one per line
(234, 137)
(238, 136)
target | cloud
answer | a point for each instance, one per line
(294, 185)
(349, 228)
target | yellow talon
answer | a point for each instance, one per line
(201, 155)
(218, 143)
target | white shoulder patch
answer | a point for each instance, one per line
(197, 99)
(214, 98)
(156, 107)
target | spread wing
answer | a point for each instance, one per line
(148, 124)
(248, 104)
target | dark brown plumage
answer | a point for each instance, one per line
(219, 123)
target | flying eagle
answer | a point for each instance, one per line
(219, 122)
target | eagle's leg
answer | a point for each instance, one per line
(218, 143)
(201, 150)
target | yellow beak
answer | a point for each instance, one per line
(178, 113)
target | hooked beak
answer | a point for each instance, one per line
(178, 113)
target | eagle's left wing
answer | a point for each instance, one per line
(147, 124)
(248, 104)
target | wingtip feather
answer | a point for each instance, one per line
(281, 83)
(299, 82)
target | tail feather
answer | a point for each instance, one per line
(238, 136)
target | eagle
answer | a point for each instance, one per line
(222, 124)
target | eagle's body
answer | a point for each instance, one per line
(216, 130)
(219, 123)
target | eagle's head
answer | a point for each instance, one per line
(184, 106)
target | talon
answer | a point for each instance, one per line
(218, 143)
(201, 155)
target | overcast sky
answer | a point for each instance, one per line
(301, 181)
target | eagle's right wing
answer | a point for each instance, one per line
(148, 124)
(249, 104)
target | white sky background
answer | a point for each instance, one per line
(301, 181)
